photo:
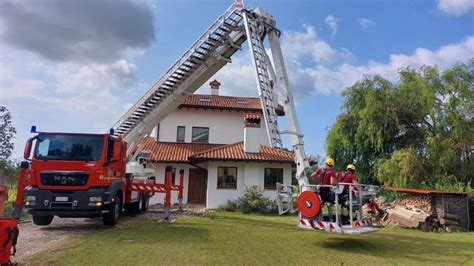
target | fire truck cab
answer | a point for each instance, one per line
(78, 175)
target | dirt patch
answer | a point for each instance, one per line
(34, 239)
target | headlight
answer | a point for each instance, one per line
(94, 199)
(30, 198)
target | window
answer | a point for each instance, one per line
(200, 134)
(75, 147)
(227, 177)
(180, 134)
(273, 176)
(110, 149)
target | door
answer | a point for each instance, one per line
(197, 186)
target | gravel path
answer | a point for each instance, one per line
(34, 239)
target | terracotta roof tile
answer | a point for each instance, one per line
(206, 101)
(174, 152)
(235, 152)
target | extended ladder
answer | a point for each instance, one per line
(264, 75)
(202, 60)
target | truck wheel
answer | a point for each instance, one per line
(145, 200)
(111, 218)
(133, 207)
(42, 220)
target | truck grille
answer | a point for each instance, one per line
(64, 178)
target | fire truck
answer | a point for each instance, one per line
(91, 175)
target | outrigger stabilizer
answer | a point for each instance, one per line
(310, 207)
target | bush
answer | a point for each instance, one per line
(253, 201)
(229, 206)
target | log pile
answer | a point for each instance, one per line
(422, 202)
(414, 212)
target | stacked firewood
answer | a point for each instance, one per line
(450, 222)
(422, 202)
(413, 212)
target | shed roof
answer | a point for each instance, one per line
(424, 191)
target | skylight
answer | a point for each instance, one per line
(205, 100)
(241, 102)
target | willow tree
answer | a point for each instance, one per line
(427, 116)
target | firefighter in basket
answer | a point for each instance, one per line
(347, 177)
(326, 176)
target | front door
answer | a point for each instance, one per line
(197, 186)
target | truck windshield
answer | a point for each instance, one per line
(69, 147)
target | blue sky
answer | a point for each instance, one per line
(328, 45)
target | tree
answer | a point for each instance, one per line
(7, 133)
(425, 119)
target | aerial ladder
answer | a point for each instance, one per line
(205, 57)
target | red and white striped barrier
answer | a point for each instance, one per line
(155, 188)
(362, 223)
(319, 225)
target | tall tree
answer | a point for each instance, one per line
(7, 133)
(420, 128)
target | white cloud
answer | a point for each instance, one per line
(298, 45)
(366, 23)
(332, 80)
(455, 7)
(332, 22)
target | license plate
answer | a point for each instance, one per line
(62, 199)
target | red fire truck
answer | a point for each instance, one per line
(82, 175)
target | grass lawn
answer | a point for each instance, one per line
(234, 238)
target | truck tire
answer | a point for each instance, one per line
(42, 220)
(134, 207)
(111, 218)
(145, 200)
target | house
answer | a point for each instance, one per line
(221, 144)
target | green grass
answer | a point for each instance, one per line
(233, 238)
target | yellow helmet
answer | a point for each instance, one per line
(329, 162)
(351, 167)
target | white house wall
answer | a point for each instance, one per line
(247, 174)
(225, 127)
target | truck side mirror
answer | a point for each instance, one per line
(116, 156)
(27, 151)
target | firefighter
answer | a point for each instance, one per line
(326, 176)
(350, 178)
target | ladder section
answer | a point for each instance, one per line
(184, 69)
(262, 73)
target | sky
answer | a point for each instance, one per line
(77, 66)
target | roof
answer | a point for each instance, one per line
(174, 152)
(424, 191)
(206, 101)
(235, 152)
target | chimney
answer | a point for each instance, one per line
(215, 87)
(252, 132)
